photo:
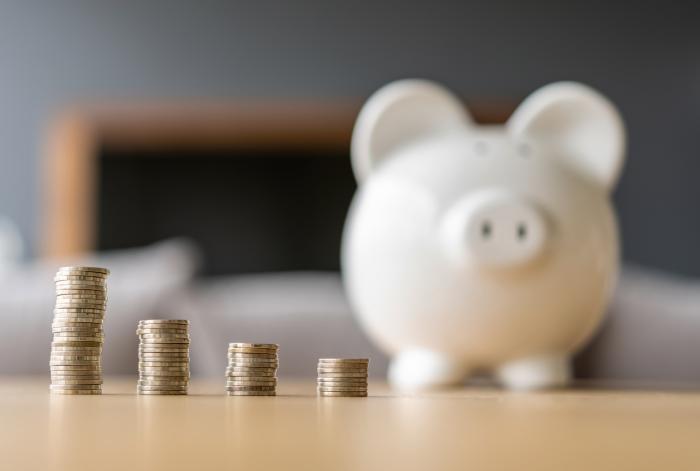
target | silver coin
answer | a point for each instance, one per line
(80, 300)
(249, 383)
(155, 382)
(362, 361)
(82, 284)
(164, 321)
(71, 328)
(341, 370)
(342, 394)
(323, 382)
(76, 350)
(162, 387)
(331, 381)
(163, 341)
(78, 339)
(253, 361)
(342, 375)
(161, 369)
(90, 324)
(62, 305)
(57, 356)
(262, 356)
(74, 268)
(63, 302)
(74, 367)
(165, 348)
(162, 393)
(145, 356)
(164, 362)
(238, 374)
(175, 337)
(162, 332)
(253, 345)
(91, 377)
(163, 358)
(251, 393)
(74, 363)
(169, 374)
(341, 388)
(263, 351)
(89, 314)
(251, 380)
(82, 392)
(80, 278)
(334, 369)
(75, 382)
(80, 291)
(76, 344)
(86, 310)
(60, 387)
(250, 388)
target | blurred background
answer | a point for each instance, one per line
(200, 149)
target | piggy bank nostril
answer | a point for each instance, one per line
(486, 229)
(521, 232)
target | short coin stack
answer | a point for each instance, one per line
(164, 357)
(252, 369)
(342, 377)
(81, 299)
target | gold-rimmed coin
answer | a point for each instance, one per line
(251, 393)
(342, 375)
(164, 321)
(74, 382)
(155, 382)
(253, 345)
(341, 388)
(250, 388)
(342, 393)
(76, 392)
(262, 356)
(162, 387)
(268, 351)
(343, 361)
(162, 393)
(76, 344)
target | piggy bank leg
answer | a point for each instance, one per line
(541, 372)
(421, 369)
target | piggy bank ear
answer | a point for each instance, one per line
(580, 125)
(400, 113)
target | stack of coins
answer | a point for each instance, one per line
(164, 357)
(252, 369)
(81, 299)
(342, 377)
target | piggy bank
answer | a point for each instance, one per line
(473, 248)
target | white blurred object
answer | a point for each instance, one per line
(483, 247)
(11, 245)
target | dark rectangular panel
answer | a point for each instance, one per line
(249, 212)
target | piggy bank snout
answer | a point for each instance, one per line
(495, 229)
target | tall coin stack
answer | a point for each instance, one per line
(252, 369)
(81, 299)
(164, 357)
(342, 377)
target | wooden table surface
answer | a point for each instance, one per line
(475, 429)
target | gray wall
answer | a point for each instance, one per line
(645, 56)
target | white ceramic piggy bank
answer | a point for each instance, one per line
(489, 248)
